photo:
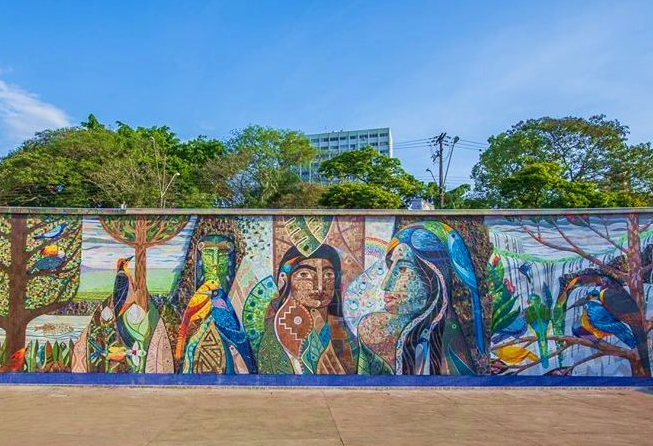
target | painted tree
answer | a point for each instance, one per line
(627, 268)
(142, 232)
(39, 270)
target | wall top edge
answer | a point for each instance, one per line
(350, 212)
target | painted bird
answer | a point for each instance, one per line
(526, 269)
(464, 269)
(457, 357)
(514, 354)
(117, 352)
(538, 317)
(612, 311)
(515, 329)
(229, 327)
(423, 352)
(52, 233)
(123, 297)
(198, 308)
(53, 258)
(15, 362)
(618, 302)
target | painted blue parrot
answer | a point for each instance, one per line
(229, 327)
(48, 263)
(515, 329)
(464, 268)
(52, 233)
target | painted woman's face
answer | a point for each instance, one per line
(312, 283)
(405, 291)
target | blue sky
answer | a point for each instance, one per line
(471, 68)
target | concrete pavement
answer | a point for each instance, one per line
(41, 415)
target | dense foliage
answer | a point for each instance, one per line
(95, 166)
(539, 163)
(567, 162)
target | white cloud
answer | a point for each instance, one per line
(22, 114)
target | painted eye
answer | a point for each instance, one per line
(379, 271)
(454, 325)
(362, 286)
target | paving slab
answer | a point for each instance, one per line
(31, 415)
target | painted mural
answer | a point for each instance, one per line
(565, 295)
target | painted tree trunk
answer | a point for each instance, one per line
(140, 255)
(634, 260)
(16, 317)
(636, 285)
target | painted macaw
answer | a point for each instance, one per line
(123, 291)
(198, 308)
(538, 317)
(52, 233)
(464, 268)
(229, 327)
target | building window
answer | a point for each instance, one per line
(353, 137)
(342, 138)
(353, 146)
(383, 134)
(374, 135)
(384, 143)
(375, 144)
(325, 139)
(315, 139)
(333, 139)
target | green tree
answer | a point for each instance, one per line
(95, 166)
(456, 198)
(367, 179)
(262, 163)
(591, 154)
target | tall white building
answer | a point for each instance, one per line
(331, 144)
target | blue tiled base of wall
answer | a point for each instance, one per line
(128, 379)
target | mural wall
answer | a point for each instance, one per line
(358, 295)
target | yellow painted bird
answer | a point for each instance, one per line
(50, 250)
(198, 308)
(514, 354)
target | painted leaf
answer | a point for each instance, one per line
(308, 233)
(369, 363)
(159, 356)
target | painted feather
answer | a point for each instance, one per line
(255, 309)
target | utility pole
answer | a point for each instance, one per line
(438, 143)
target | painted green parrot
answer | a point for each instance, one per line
(538, 317)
